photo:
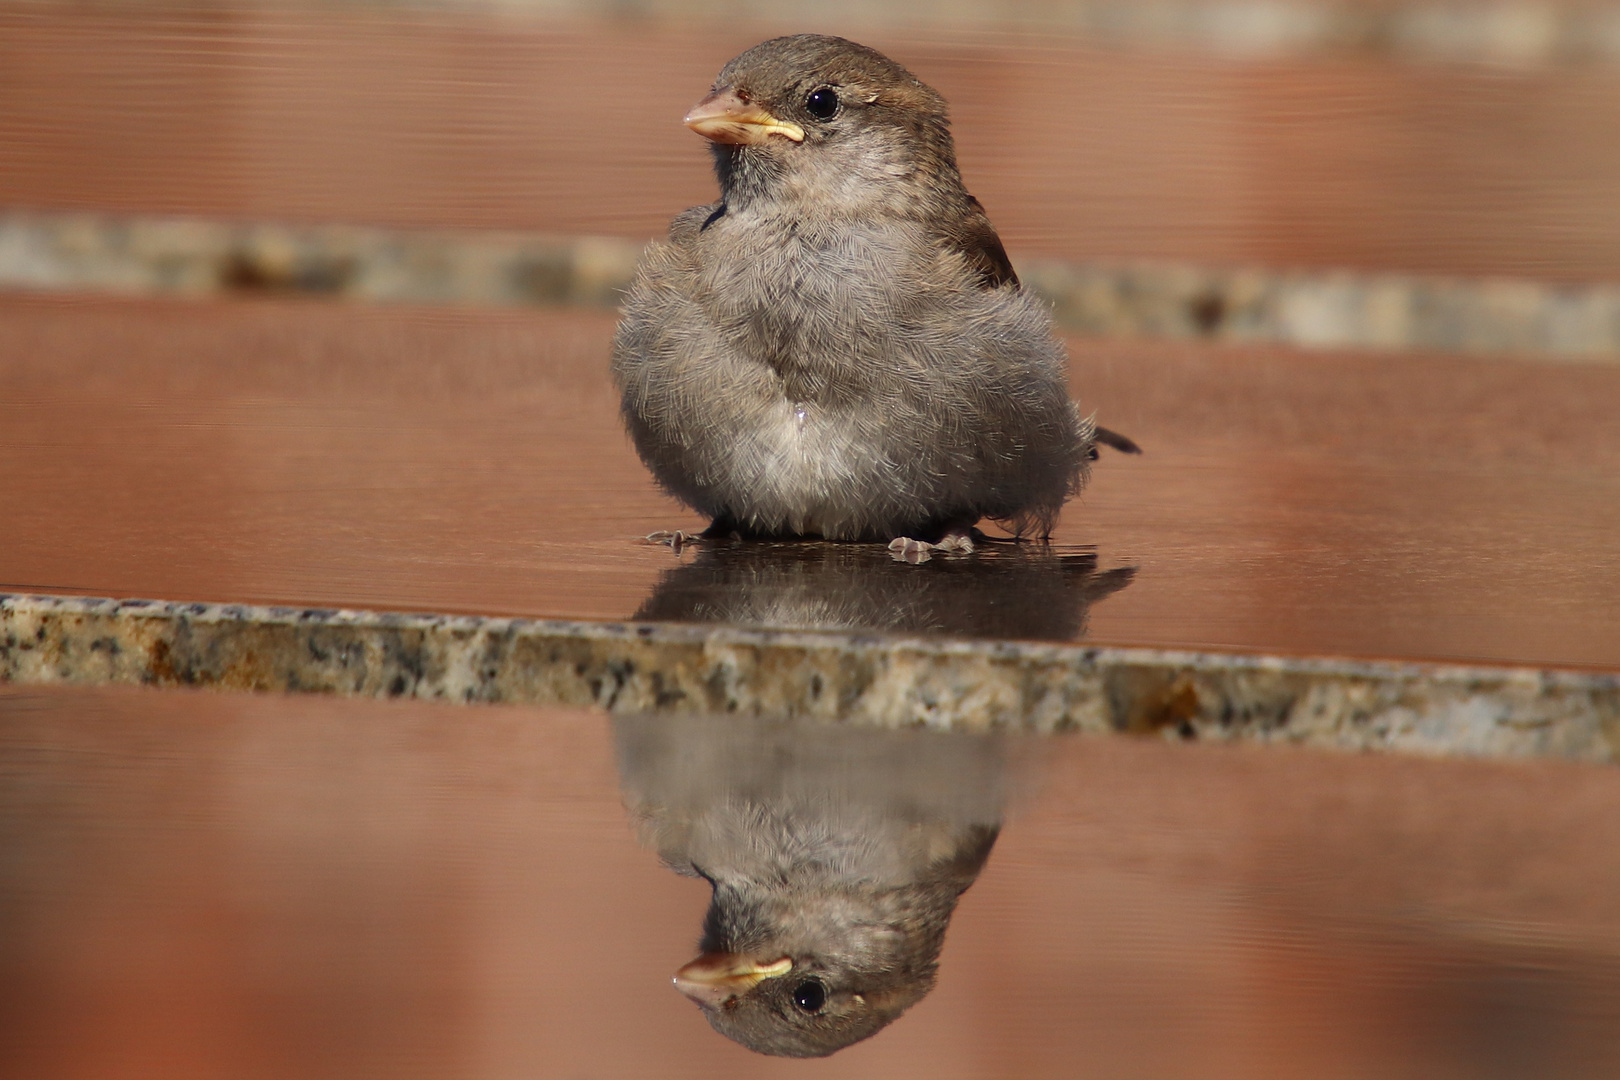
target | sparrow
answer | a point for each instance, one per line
(836, 857)
(839, 347)
(1027, 593)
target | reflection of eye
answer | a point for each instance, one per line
(822, 104)
(810, 996)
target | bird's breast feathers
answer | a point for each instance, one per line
(832, 291)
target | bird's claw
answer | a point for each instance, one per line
(674, 540)
(905, 549)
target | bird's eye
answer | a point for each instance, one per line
(822, 103)
(810, 996)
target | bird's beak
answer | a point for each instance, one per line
(725, 116)
(716, 977)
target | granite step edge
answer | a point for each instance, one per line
(1426, 709)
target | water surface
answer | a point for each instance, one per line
(298, 452)
(205, 885)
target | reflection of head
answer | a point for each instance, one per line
(1028, 591)
(836, 856)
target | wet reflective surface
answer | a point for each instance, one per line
(499, 120)
(836, 858)
(198, 885)
(209, 885)
(314, 454)
(1027, 591)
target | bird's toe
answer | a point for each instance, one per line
(905, 549)
(675, 540)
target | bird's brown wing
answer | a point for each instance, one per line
(973, 235)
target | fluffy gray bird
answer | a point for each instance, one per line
(839, 347)
(837, 856)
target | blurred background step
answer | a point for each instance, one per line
(1308, 308)
(1500, 32)
(514, 119)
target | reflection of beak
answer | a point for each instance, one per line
(726, 117)
(716, 977)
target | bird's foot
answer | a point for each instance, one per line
(905, 549)
(673, 540)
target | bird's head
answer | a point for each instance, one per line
(809, 1006)
(802, 970)
(826, 123)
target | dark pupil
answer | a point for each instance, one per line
(810, 996)
(822, 103)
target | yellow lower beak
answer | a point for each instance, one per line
(715, 978)
(725, 117)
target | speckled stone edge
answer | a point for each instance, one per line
(891, 682)
(185, 257)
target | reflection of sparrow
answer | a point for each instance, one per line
(1033, 593)
(836, 855)
(839, 346)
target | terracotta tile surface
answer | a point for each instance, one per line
(495, 120)
(204, 885)
(307, 453)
